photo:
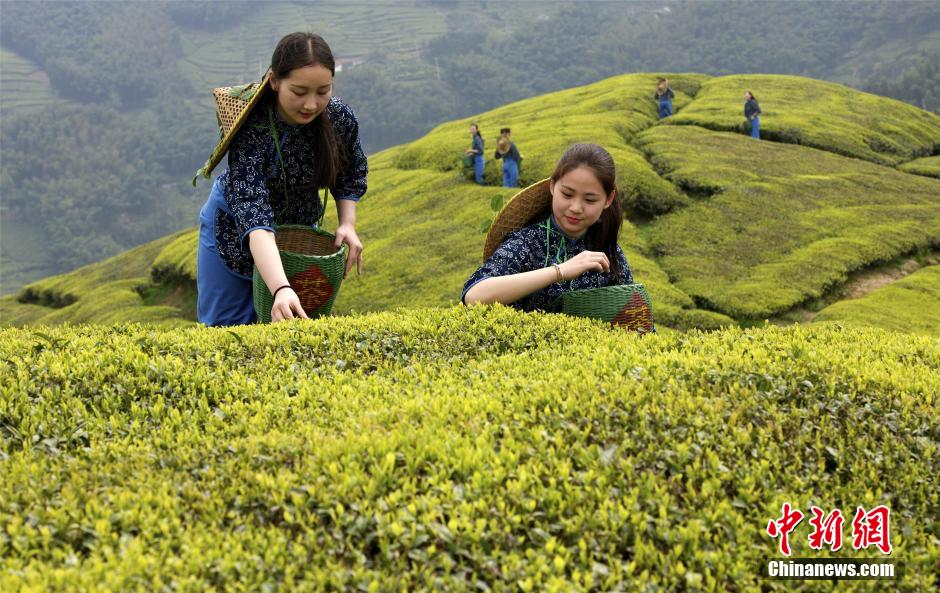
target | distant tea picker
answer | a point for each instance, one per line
(475, 152)
(751, 114)
(664, 97)
(286, 138)
(553, 247)
(507, 151)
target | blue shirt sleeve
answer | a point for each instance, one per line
(247, 190)
(351, 180)
(512, 257)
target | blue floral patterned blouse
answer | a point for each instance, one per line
(254, 185)
(523, 250)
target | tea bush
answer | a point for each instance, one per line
(104, 292)
(454, 450)
(929, 166)
(911, 304)
(824, 115)
(775, 224)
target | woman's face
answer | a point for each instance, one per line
(303, 94)
(578, 200)
(473, 130)
(747, 96)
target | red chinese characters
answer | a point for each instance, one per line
(872, 529)
(784, 526)
(826, 531)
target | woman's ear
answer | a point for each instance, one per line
(610, 198)
(551, 186)
(274, 83)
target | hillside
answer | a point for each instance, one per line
(720, 226)
(455, 450)
(908, 305)
(139, 74)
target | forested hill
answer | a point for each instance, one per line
(721, 228)
(106, 109)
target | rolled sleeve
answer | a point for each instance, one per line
(351, 181)
(244, 236)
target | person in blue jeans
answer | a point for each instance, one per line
(476, 149)
(751, 113)
(664, 96)
(507, 151)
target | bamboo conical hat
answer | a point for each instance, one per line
(234, 104)
(518, 212)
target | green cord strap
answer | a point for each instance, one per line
(561, 253)
(326, 196)
(280, 158)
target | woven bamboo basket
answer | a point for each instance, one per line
(314, 269)
(626, 306)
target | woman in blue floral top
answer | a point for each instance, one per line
(294, 142)
(570, 243)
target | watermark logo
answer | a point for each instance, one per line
(870, 528)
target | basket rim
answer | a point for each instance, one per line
(588, 291)
(343, 248)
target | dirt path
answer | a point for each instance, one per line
(863, 283)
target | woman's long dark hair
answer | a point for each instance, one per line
(309, 49)
(602, 235)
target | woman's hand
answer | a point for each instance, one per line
(286, 306)
(586, 261)
(346, 233)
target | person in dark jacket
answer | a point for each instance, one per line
(507, 151)
(476, 150)
(664, 96)
(751, 113)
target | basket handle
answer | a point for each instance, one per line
(326, 197)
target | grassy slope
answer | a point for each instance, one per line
(783, 211)
(103, 292)
(910, 305)
(820, 114)
(786, 222)
(928, 166)
(420, 219)
(435, 449)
